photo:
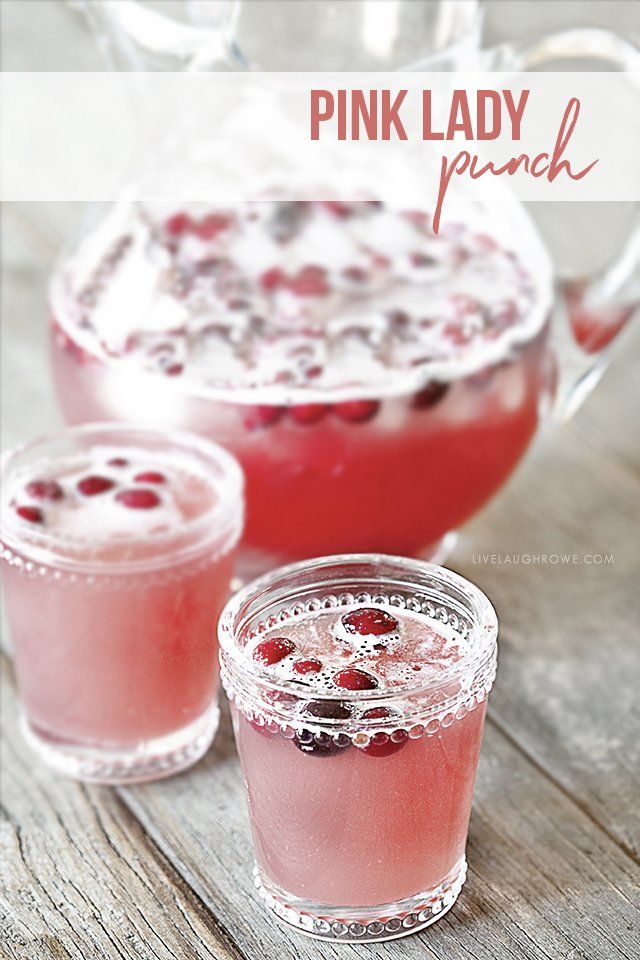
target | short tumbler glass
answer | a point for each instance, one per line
(113, 630)
(359, 825)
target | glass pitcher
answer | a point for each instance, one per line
(377, 383)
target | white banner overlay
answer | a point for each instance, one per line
(398, 136)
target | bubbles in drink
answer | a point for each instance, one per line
(311, 295)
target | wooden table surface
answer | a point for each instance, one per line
(163, 871)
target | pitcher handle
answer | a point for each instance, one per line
(598, 307)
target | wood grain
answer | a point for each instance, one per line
(163, 870)
(80, 879)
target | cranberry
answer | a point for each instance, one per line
(322, 744)
(44, 490)
(263, 415)
(419, 259)
(307, 665)
(328, 710)
(261, 728)
(209, 227)
(118, 462)
(419, 218)
(174, 369)
(32, 514)
(381, 744)
(178, 223)
(376, 713)
(305, 413)
(463, 304)
(272, 279)
(354, 679)
(398, 319)
(138, 499)
(429, 395)
(486, 243)
(369, 620)
(357, 411)
(310, 281)
(150, 476)
(273, 650)
(458, 335)
(355, 274)
(339, 208)
(93, 484)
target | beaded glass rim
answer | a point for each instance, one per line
(224, 519)
(234, 619)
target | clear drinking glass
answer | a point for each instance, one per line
(359, 789)
(117, 548)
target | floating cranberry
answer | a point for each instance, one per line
(463, 304)
(150, 476)
(261, 728)
(209, 227)
(419, 259)
(383, 745)
(419, 218)
(272, 279)
(174, 369)
(322, 744)
(32, 514)
(369, 620)
(357, 411)
(137, 499)
(398, 319)
(328, 710)
(273, 650)
(376, 713)
(457, 334)
(486, 243)
(177, 224)
(44, 490)
(355, 274)
(430, 395)
(354, 679)
(263, 415)
(310, 281)
(306, 413)
(118, 462)
(339, 208)
(307, 665)
(92, 485)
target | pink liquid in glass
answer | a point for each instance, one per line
(360, 758)
(118, 549)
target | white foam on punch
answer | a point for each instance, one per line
(393, 658)
(102, 519)
(138, 296)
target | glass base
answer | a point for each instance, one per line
(364, 924)
(146, 760)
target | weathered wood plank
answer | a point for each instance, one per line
(565, 689)
(573, 494)
(80, 879)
